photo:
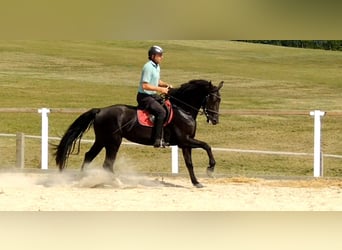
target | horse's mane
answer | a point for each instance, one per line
(192, 87)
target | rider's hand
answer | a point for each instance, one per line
(164, 90)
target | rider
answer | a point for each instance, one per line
(150, 85)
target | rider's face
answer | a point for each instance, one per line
(158, 58)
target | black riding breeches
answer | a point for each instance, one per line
(151, 103)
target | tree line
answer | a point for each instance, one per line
(311, 44)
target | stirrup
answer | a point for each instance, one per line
(160, 143)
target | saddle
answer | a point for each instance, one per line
(145, 118)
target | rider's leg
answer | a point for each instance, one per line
(158, 132)
(159, 112)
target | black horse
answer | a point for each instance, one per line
(113, 123)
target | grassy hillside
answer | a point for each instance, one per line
(85, 74)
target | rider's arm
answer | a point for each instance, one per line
(147, 86)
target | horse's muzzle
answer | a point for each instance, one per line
(213, 121)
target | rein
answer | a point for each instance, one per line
(190, 106)
(203, 105)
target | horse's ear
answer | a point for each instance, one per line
(220, 85)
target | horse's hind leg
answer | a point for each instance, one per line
(112, 149)
(91, 154)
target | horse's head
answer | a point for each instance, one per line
(211, 104)
(197, 94)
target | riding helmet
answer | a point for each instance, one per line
(155, 50)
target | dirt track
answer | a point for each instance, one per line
(96, 191)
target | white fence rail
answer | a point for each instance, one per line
(174, 150)
(317, 154)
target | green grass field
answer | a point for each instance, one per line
(86, 74)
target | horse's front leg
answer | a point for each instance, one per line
(188, 162)
(212, 162)
(193, 143)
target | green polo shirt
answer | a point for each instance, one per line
(150, 74)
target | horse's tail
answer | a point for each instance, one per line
(72, 135)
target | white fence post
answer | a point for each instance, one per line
(45, 137)
(318, 159)
(20, 150)
(174, 159)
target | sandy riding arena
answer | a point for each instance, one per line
(95, 190)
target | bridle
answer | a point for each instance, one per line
(207, 110)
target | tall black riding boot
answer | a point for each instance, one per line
(158, 133)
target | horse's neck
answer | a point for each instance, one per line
(191, 108)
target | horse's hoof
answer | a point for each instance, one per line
(199, 185)
(210, 173)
